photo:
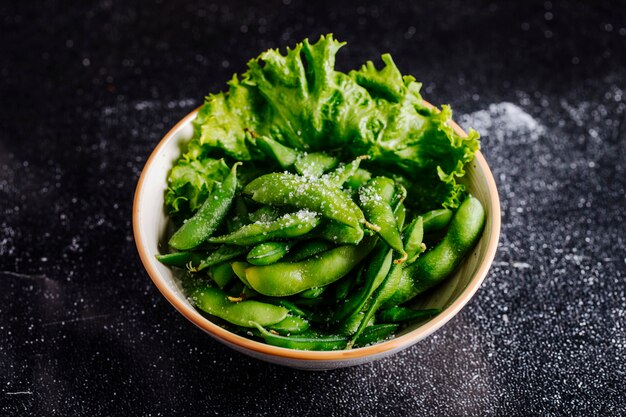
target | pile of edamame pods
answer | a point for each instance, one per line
(319, 254)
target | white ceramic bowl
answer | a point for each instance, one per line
(150, 222)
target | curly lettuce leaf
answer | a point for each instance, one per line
(229, 121)
(191, 180)
(300, 100)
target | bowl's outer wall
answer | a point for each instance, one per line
(150, 223)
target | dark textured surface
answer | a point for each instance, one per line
(87, 91)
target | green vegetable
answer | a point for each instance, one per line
(345, 172)
(335, 165)
(283, 155)
(243, 313)
(375, 197)
(282, 189)
(314, 292)
(180, 259)
(222, 254)
(436, 220)
(268, 253)
(314, 164)
(291, 325)
(435, 265)
(339, 233)
(302, 342)
(288, 226)
(413, 236)
(374, 334)
(191, 180)
(206, 220)
(401, 314)
(221, 274)
(282, 279)
(307, 249)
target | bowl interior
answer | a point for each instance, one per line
(150, 223)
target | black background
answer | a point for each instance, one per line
(88, 89)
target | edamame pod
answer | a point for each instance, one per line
(307, 249)
(283, 189)
(302, 342)
(339, 233)
(435, 265)
(222, 254)
(374, 197)
(268, 253)
(221, 274)
(240, 215)
(413, 236)
(400, 314)
(314, 164)
(342, 174)
(283, 279)
(284, 155)
(180, 259)
(360, 177)
(437, 220)
(243, 313)
(291, 325)
(374, 334)
(385, 291)
(209, 216)
(314, 292)
(265, 214)
(375, 274)
(288, 226)
(400, 215)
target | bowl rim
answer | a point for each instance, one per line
(395, 344)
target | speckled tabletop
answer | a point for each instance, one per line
(86, 92)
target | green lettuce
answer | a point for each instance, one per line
(300, 100)
(191, 180)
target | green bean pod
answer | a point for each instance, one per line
(435, 265)
(180, 259)
(283, 279)
(314, 292)
(293, 308)
(239, 268)
(243, 313)
(314, 164)
(401, 314)
(282, 189)
(360, 177)
(413, 236)
(342, 287)
(400, 215)
(436, 220)
(374, 197)
(209, 216)
(291, 325)
(284, 155)
(265, 214)
(339, 233)
(342, 174)
(384, 292)
(375, 273)
(302, 342)
(268, 253)
(288, 226)
(350, 325)
(240, 215)
(221, 274)
(374, 334)
(222, 254)
(307, 249)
